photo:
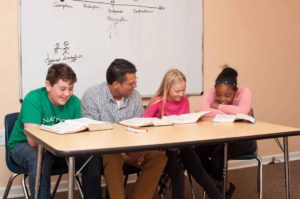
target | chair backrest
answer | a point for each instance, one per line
(9, 122)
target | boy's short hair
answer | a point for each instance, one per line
(61, 71)
(118, 69)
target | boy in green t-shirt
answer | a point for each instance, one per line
(50, 105)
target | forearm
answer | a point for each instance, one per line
(31, 142)
(231, 109)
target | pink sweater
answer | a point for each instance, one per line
(172, 107)
(242, 103)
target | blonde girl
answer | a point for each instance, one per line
(170, 99)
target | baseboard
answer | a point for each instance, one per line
(16, 191)
(272, 159)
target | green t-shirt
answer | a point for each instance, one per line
(38, 109)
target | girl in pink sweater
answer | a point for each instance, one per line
(170, 99)
(225, 98)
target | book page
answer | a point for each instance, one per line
(77, 125)
(92, 125)
(185, 118)
(224, 118)
(161, 122)
(85, 121)
(232, 118)
(139, 121)
(64, 127)
(248, 118)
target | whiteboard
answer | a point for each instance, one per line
(155, 35)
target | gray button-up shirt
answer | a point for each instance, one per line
(98, 104)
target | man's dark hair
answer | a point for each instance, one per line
(61, 71)
(118, 69)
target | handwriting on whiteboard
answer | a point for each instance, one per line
(116, 11)
(61, 52)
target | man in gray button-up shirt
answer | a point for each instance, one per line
(113, 101)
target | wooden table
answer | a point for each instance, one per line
(120, 140)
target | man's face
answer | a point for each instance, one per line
(126, 88)
(60, 92)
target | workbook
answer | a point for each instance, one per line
(77, 125)
(232, 118)
(166, 120)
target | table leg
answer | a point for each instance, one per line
(225, 169)
(38, 171)
(286, 167)
(71, 177)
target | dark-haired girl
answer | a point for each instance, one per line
(225, 98)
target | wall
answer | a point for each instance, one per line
(9, 89)
(260, 38)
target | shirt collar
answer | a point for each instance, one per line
(110, 98)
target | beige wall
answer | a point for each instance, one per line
(9, 89)
(259, 37)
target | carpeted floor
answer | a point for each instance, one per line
(245, 182)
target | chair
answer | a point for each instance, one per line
(9, 122)
(252, 156)
(17, 170)
(259, 168)
(191, 184)
(128, 170)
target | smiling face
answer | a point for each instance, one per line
(177, 91)
(224, 94)
(60, 92)
(125, 89)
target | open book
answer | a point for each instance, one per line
(166, 120)
(77, 125)
(232, 118)
(185, 118)
(144, 121)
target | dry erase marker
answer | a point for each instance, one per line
(137, 130)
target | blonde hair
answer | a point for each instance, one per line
(172, 76)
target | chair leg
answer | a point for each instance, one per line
(192, 187)
(24, 187)
(56, 186)
(225, 169)
(204, 194)
(77, 181)
(125, 180)
(8, 186)
(259, 177)
(106, 193)
(26, 193)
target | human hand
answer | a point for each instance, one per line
(138, 156)
(214, 105)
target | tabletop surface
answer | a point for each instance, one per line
(119, 139)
